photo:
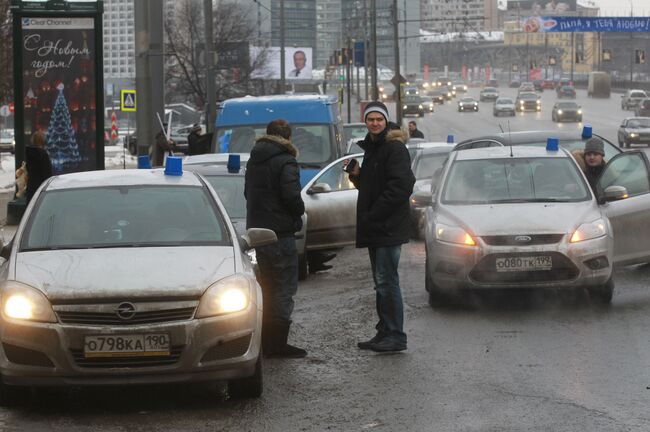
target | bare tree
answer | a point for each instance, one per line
(185, 66)
(6, 53)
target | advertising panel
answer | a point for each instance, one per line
(59, 89)
(297, 63)
(538, 24)
(542, 7)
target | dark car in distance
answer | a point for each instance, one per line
(566, 111)
(634, 130)
(566, 92)
(467, 104)
(528, 101)
(413, 105)
(643, 108)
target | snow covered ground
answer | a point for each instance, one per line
(114, 159)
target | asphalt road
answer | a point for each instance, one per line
(504, 362)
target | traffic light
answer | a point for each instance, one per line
(640, 56)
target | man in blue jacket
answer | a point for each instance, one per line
(385, 184)
(273, 201)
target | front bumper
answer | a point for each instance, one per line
(638, 139)
(504, 111)
(468, 108)
(51, 354)
(454, 267)
(413, 110)
(569, 116)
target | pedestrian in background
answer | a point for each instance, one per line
(385, 184)
(414, 132)
(273, 201)
(164, 146)
(37, 164)
(592, 161)
(196, 145)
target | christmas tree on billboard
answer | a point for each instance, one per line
(61, 144)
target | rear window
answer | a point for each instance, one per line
(638, 95)
(428, 164)
(125, 216)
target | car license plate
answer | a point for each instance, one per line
(515, 264)
(131, 345)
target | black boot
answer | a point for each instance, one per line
(281, 348)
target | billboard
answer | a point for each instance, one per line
(542, 7)
(58, 90)
(537, 24)
(297, 63)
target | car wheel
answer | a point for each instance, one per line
(437, 297)
(250, 387)
(303, 270)
(603, 294)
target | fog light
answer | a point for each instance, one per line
(597, 263)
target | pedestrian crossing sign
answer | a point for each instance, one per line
(128, 101)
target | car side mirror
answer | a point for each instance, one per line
(421, 199)
(319, 188)
(258, 237)
(615, 193)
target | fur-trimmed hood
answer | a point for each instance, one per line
(284, 144)
(399, 135)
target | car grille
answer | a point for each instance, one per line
(106, 315)
(530, 105)
(126, 362)
(516, 240)
(485, 271)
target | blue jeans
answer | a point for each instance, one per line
(390, 308)
(278, 269)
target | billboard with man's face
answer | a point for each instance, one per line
(542, 7)
(297, 63)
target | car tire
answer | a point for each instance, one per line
(303, 270)
(250, 387)
(437, 297)
(603, 294)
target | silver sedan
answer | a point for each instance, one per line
(527, 218)
(129, 277)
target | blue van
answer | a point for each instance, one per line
(316, 128)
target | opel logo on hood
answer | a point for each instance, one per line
(125, 311)
(523, 239)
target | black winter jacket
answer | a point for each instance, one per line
(385, 186)
(39, 169)
(272, 187)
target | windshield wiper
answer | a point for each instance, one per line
(527, 200)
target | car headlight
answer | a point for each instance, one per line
(457, 235)
(420, 106)
(475, 103)
(539, 102)
(579, 112)
(448, 94)
(229, 295)
(405, 106)
(521, 102)
(632, 135)
(559, 112)
(26, 303)
(588, 231)
(465, 88)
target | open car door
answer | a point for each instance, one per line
(630, 217)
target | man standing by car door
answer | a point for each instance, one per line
(273, 201)
(385, 184)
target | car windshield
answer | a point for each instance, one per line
(566, 105)
(124, 216)
(638, 95)
(312, 141)
(467, 100)
(357, 132)
(496, 181)
(489, 90)
(413, 99)
(639, 123)
(230, 189)
(504, 101)
(6, 133)
(529, 96)
(567, 89)
(428, 164)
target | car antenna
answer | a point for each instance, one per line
(510, 138)
(501, 127)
